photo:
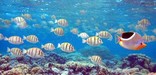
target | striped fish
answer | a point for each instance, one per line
(15, 51)
(144, 22)
(34, 52)
(83, 35)
(62, 22)
(148, 38)
(22, 25)
(154, 31)
(31, 38)
(66, 47)
(93, 41)
(96, 59)
(120, 31)
(27, 16)
(74, 31)
(20, 21)
(58, 31)
(1, 36)
(104, 34)
(48, 46)
(14, 40)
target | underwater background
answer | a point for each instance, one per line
(89, 16)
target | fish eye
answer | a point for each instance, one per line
(120, 40)
(140, 43)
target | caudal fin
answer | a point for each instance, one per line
(24, 51)
(96, 34)
(78, 35)
(52, 30)
(56, 21)
(89, 57)
(24, 37)
(59, 45)
(5, 38)
(42, 46)
(8, 49)
(83, 41)
(110, 38)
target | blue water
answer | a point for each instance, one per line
(112, 12)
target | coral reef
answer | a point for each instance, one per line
(4, 65)
(36, 70)
(140, 61)
(23, 67)
(53, 57)
(53, 64)
(14, 71)
(20, 69)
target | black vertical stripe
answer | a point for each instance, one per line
(36, 52)
(33, 54)
(94, 41)
(16, 51)
(30, 51)
(70, 47)
(89, 40)
(39, 53)
(66, 46)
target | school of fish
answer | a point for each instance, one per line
(127, 39)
